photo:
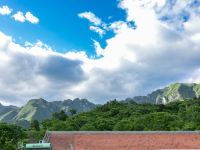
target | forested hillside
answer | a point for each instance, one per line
(113, 116)
(40, 109)
(130, 116)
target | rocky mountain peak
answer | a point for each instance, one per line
(173, 92)
(41, 109)
(37, 101)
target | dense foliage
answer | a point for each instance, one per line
(130, 116)
(113, 116)
(10, 136)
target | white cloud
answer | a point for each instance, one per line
(36, 71)
(5, 10)
(118, 26)
(134, 62)
(194, 77)
(31, 18)
(90, 17)
(97, 25)
(99, 50)
(19, 16)
(98, 30)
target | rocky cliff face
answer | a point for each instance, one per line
(174, 92)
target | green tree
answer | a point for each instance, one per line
(9, 146)
(35, 125)
(160, 121)
(72, 111)
(60, 115)
(88, 127)
(10, 135)
(189, 126)
(125, 116)
(104, 124)
(123, 125)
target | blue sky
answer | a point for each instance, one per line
(59, 25)
(99, 50)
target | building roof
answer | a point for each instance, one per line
(127, 140)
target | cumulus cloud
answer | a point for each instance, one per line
(161, 49)
(101, 27)
(5, 10)
(97, 25)
(35, 71)
(98, 48)
(19, 16)
(90, 17)
(31, 18)
(194, 76)
(155, 53)
(98, 30)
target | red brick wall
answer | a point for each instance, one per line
(124, 141)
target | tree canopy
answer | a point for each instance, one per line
(130, 116)
(113, 116)
(10, 136)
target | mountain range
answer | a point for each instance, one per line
(41, 109)
(171, 93)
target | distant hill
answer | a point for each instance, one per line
(174, 92)
(7, 112)
(41, 109)
(131, 116)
